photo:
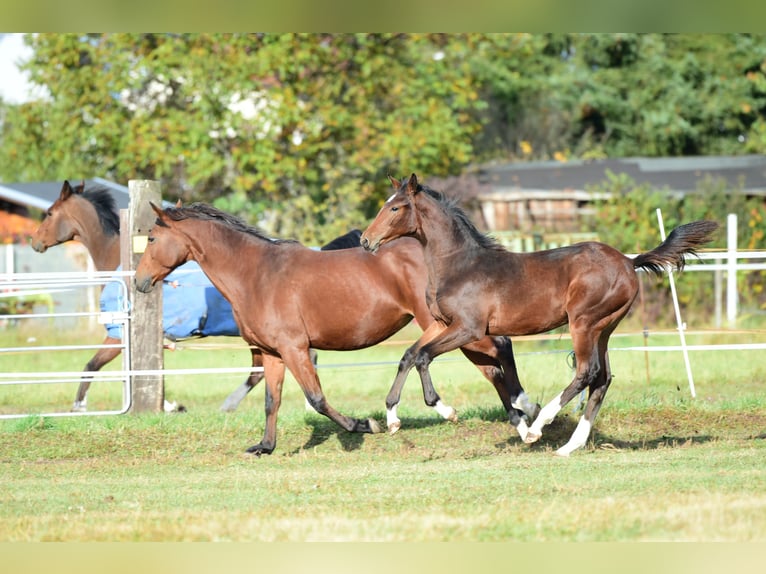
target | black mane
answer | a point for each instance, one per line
(106, 208)
(454, 210)
(203, 211)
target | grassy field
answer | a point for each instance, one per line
(660, 466)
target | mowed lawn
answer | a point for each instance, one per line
(660, 465)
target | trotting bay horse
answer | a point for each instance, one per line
(288, 298)
(478, 288)
(192, 307)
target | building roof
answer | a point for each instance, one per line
(42, 194)
(683, 174)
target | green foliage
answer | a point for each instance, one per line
(296, 132)
(596, 95)
(279, 127)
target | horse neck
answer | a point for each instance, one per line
(213, 246)
(103, 249)
(442, 238)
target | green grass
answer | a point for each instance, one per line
(659, 466)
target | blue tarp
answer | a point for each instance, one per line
(191, 306)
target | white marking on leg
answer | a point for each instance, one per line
(547, 414)
(446, 411)
(392, 421)
(525, 405)
(523, 429)
(579, 438)
(80, 406)
(169, 407)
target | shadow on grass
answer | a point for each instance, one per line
(555, 434)
(323, 429)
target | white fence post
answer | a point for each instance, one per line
(677, 310)
(731, 269)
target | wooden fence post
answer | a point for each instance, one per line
(146, 352)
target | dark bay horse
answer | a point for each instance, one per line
(478, 288)
(191, 305)
(288, 298)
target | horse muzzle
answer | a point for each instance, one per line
(39, 246)
(143, 284)
(368, 245)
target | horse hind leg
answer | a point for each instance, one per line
(231, 402)
(596, 394)
(101, 358)
(588, 367)
(299, 363)
(493, 356)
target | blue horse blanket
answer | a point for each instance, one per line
(191, 306)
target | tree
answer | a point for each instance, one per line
(616, 95)
(294, 132)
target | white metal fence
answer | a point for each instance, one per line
(726, 265)
(21, 286)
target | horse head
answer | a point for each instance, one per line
(57, 227)
(396, 218)
(165, 250)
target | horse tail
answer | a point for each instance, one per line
(683, 240)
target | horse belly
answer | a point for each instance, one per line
(347, 331)
(528, 314)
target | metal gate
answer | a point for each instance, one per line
(22, 295)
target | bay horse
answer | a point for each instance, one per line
(478, 288)
(191, 305)
(288, 298)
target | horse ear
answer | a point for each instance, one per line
(66, 191)
(80, 188)
(157, 210)
(412, 185)
(395, 183)
(178, 203)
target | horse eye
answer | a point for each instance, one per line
(394, 209)
(150, 239)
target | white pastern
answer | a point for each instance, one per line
(578, 439)
(547, 414)
(446, 411)
(524, 405)
(80, 406)
(392, 421)
(523, 429)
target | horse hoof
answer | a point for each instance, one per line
(374, 426)
(532, 437)
(395, 426)
(562, 453)
(259, 449)
(452, 416)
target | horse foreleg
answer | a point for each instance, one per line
(443, 340)
(274, 372)
(101, 358)
(231, 402)
(405, 365)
